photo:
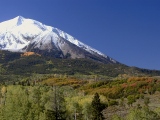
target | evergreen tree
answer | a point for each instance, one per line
(55, 105)
(96, 108)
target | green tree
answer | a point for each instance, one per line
(59, 104)
(17, 105)
(86, 111)
(96, 108)
(55, 105)
(131, 99)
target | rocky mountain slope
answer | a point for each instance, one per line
(23, 35)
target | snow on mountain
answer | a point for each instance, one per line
(19, 32)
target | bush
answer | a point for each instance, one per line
(131, 99)
(112, 102)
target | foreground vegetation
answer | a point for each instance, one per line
(64, 97)
(46, 103)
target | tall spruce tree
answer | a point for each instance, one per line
(97, 108)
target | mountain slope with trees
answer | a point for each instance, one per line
(17, 65)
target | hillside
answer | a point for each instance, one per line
(17, 64)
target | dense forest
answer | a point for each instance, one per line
(41, 88)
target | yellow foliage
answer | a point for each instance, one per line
(63, 81)
(29, 54)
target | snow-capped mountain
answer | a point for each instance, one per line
(21, 35)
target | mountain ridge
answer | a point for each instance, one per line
(24, 35)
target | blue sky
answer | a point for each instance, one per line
(126, 30)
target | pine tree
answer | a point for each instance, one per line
(96, 108)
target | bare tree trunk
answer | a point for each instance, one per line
(75, 116)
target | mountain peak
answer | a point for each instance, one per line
(19, 16)
(25, 35)
(19, 20)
